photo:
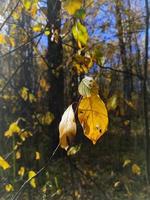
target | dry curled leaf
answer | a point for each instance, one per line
(67, 128)
(93, 117)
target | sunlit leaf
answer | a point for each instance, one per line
(112, 103)
(37, 28)
(88, 87)
(24, 93)
(71, 6)
(27, 4)
(46, 119)
(2, 39)
(21, 171)
(93, 117)
(31, 176)
(9, 188)
(3, 163)
(67, 128)
(136, 169)
(80, 33)
(126, 162)
(73, 150)
(13, 128)
(18, 155)
(37, 155)
(32, 98)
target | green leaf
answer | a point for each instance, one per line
(80, 33)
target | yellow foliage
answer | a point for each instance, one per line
(13, 128)
(71, 6)
(9, 188)
(27, 4)
(24, 93)
(3, 163)
(31, 176)
(67, 128)
(126, 162)
(37, 155)
(32, 98)
(24, 134)
(46, 119)
(21, 171)
(80, 33)
(136, 169)
(37, 28)
(112, 103)
(2, 39)
(44, 85)
(93, 117)
(18, 155)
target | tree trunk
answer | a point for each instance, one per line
(55, 71)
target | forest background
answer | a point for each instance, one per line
(49, 47)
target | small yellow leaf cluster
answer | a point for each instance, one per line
(31, 7)
(3, 163)
(9, 188)
(71, 6)
(21, 171)
(31, 176)
(80, 34)
(13, 128)
(44, 85)
(2, 39)
(46, 119)
(37, 155)
(24, 134)
(92, 115)
(18, 155)
(26, 95)
(136, 169)
(82, 63)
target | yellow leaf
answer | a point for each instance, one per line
(37, 155)
(2, 39)
(80, 33)
(112, 103)
(73, 150)
(9, 188)
(24, 134)
(88, 87)
(116, 184)
(46, 119)
(3, 163)
(126, 162)
(32, 98)
(13, 128)
(37, 28)
(24, 93)
(18, 155)
(93, 117)
(71, 6)
(136, 169)
(27, 4)
(44, 85)
(67, 128)
(31, 176)
(21, 171)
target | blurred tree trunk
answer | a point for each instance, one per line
(55, 71)
(127, 80)
(145, 92)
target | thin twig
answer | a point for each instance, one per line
(9, 15)
(16, 196)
